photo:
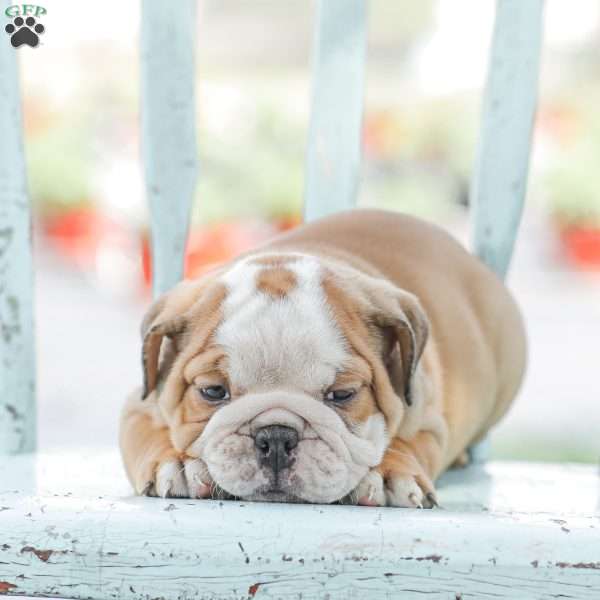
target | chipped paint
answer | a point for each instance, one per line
(87, 543)
(579, 565)
(43, 555)
(5, 587)
(246, 557)
(13, 412)
(6, 236)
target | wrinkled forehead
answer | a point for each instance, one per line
(277, 326)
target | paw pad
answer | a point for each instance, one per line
(24, 31)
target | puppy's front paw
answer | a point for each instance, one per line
(175, 478)
(396, 489)
(410, 491)
(370, 491)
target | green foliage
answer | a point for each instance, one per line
(260, 176)
(59, 167)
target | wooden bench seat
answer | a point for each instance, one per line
(505, 530)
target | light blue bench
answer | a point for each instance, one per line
(68, 525)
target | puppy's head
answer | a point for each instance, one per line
(286, 374)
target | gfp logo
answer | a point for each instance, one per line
(24, 28)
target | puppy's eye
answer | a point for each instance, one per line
(215, 393)
(339, 396)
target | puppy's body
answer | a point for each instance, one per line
(429, 339)
(476, 351)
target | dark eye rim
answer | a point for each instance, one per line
(207, 392)
(345, 395)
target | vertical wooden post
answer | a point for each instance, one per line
(17, 351)
(168, 131)
(502, 162)
(509, 104)
(334, 141)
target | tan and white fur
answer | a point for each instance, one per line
(421, 343)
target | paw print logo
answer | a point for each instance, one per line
(24, 31)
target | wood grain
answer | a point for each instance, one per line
(168, 131)
(17, 351)
(334, 141)
(69, 528)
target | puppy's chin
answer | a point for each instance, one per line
(327, 464)
(318, 474)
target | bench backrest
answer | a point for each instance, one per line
(332, 163)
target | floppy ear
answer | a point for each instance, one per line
(170, 316)
(156, 325)
(405, 330)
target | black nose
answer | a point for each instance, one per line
(274, 445)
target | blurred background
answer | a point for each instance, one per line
(425, 73)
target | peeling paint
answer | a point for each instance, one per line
(246, 557)
(580, 565)
(43, 555)
(127, 544)
(5, 587)
(6, 236)
(11, 323)
(432, 557)
(13, 412)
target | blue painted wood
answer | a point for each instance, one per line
(502, 162)
(500, 176)
(334, 141)
(17, 353)
(168, 131)
(506, 531)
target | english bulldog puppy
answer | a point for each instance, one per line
(352, 360)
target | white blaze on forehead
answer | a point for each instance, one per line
(292, 340)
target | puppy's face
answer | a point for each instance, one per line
(284, 373)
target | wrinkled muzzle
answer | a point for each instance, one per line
(283, 446)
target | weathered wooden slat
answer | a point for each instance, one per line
(500, 176)
(506, 531)
(17, 353)
(509, 105)
(168, 131)
(334, 141)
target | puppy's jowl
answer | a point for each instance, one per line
(352, 359)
